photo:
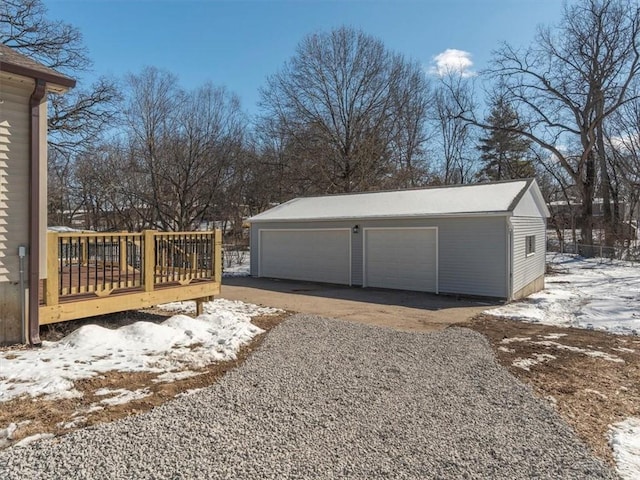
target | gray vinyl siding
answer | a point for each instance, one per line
(473, 257)
(357, 252)
(472, 251)
(527, 268)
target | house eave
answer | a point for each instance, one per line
(55, 83)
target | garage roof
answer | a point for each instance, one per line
(450, 200)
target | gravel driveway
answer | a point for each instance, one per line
(330, 399)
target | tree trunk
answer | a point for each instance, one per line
(608, 222)
(586, 214)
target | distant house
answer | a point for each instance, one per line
(567, 215)
(485, 239)
(24, 85)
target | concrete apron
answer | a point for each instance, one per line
(409, 311)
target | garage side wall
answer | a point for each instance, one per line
(472, 251)
(528, 269)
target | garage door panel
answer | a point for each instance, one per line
(401, 258)
(312, 255)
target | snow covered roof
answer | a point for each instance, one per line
(452, 200)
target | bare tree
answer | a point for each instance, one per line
(453, 133)
(24, 26)
(107, 186)
(154, 97)
(567, 84)
(412, 106)
(76, 119)
(570, 82)
(289, 164)
(186, 145)
(339, 101)
(623, 145)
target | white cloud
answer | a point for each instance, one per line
(452, 61)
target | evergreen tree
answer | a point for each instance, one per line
(503, 150)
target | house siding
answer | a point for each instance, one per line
(14, 200)
(471, 252)
(527, 269)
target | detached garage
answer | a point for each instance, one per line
(485, 239)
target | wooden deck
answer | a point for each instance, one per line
(97, 273)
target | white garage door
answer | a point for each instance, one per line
(312, 255)
(401, 258)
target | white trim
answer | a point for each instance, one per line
(381, 217)
(526, 245)
(260, 230)
(364, 251)
(510, 249)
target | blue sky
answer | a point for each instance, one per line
(239, 43)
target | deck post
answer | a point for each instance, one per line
(51, 284)
(217, 257)
(123, 253)
(199, 302)
(83, 251)
(149, 259)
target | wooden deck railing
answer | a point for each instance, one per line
(95, 273)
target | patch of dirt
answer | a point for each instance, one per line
(63, 416)
(590, 392)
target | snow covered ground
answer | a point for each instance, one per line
(586, 293)
(170, 348)
(594, 294)
(624, 438)
(236, 263)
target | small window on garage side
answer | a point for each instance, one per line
(530, 247)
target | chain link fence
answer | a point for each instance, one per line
(629, 250)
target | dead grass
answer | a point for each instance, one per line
(63, 416)
(589, 393)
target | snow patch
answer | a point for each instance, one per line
(587, 293)
(596, 393)
(527, 363)
(561, 346)
(173, 376)
(178, 343)
(623, 349)
(585, 351)
(7, 433)
(554, 336)
(121, 395)
(231, 308)
(624, 438)
(76, 422)
(191, 391)
(514, 339)
(33, 438)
